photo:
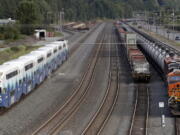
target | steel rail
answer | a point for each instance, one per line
(97, 116)
(115, 99)
(177, 126)
(89, 72)
(142, 130)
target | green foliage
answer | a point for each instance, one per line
(9, 32)
(15, 52)
(28, 16)
(33, 12)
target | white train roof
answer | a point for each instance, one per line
(8, 68)
(33, 55)
(44, 53)
(58, 42)
(54, 46)
(45, 48)
(21, 62)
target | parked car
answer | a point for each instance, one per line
(177, 38)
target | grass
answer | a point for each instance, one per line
(15, 52)
(21, 37)
(161, 38)
(58, 34)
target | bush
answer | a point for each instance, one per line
(1, 36)
(11, 32)
(15, 48)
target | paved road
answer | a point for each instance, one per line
(158, 93)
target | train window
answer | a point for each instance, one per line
(12, 74)
(55, 50)
(27, 67)
(48, 55)
(12, 93)
(64, 45)
(60, 48)
(20, 81)
(40, 60)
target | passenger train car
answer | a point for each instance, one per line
(20, 76)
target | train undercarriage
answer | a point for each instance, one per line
(174, 106)
(141, 77)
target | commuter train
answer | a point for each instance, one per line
(138, 63)
(168, 61)
(20, 76)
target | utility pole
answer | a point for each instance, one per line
(173, 23)
(61, 18)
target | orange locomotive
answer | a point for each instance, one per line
(169, 63)
(167, 59)
(172, 68)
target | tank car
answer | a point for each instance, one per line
(168, 62)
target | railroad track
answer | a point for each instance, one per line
(102, 115)
(74, 48)
(139, 124)
(177, 126)
(52, 125)
(71, 52)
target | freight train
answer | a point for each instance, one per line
(138, 63)
(168, 61)
(20, 76)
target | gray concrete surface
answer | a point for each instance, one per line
(37, 107)
(158, 93)
(120, 120)
(94, 96)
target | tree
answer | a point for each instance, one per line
(27, 14)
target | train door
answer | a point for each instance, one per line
(11, 78)
(40, 69)
(29, 77)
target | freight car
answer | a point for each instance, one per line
(168, 61)
(138, 63)
(20, 76)
(81, 27)
(170, 67)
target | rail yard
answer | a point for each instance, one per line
(106, 78)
